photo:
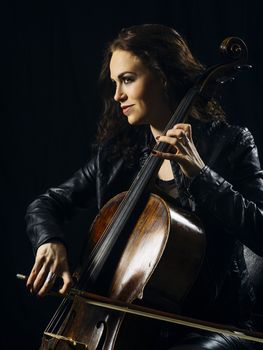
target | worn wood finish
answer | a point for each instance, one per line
(162, 256)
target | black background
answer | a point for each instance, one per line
(51, 55)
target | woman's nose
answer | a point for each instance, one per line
(119, 94)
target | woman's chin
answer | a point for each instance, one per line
(135, 121)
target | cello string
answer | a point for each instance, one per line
(106, 242)
(56, 318)
(24, 277)
(128, 203)
(153, 163)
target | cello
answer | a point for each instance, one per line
(136, 236)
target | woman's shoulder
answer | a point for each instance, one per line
(237, 134)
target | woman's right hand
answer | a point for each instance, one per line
(51, 262)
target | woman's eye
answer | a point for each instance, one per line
(127, 80)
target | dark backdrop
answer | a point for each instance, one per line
(51, 55)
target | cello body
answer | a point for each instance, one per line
(154, 252)
(159, 260)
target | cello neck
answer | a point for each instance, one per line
(138, 190)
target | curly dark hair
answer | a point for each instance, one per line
(167, 54)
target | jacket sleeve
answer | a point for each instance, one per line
(237, 205)
(45, 216)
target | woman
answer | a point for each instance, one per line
(147, 70)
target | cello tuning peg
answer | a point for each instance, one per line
(225, 79)
(243, 67)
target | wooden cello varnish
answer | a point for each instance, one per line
(162, 256)
(140, 247)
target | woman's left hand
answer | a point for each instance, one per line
(182, 149)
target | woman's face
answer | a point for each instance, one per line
(138, 90)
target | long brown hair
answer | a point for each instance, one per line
(166, 53)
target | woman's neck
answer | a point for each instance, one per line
(158, 125)
(156, 131)
(158, 128)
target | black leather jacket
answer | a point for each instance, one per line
(227, 195)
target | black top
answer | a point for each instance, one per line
(228, 198)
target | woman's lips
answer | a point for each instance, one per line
(126, 109)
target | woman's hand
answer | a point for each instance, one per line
(182, 149)
(51, 262)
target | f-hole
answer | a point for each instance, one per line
(103, 336)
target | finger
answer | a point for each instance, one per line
(180, 135)
(40, 279)
(175, 142)
(166, 155)
(185, 139)
(33, 274)
(48, 283)
(67, 282)
(175, 132)
(187, 128)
